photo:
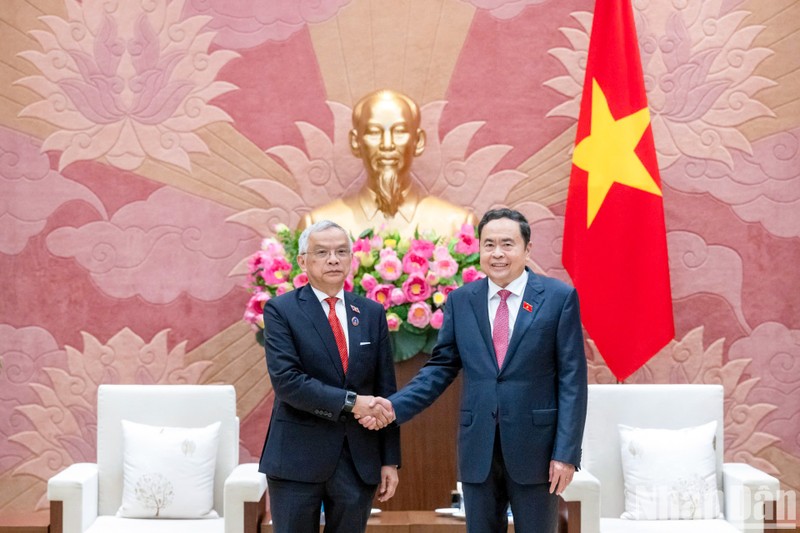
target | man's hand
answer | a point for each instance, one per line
(389, 481)
(373, 412)
(560, 476)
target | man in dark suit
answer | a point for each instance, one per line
(518, 338)
(328, 353)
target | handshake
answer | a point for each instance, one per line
(373, 412)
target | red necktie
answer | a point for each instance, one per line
(338, 333)
(500, 331)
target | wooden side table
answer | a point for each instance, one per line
(25, 523)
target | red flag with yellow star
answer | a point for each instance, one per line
(615, 246)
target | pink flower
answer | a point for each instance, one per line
(254, 312)
(393, 321)
(441, 252)
(361, 245)
(467, 242)
(275, 270)
(413, 262)
(445, 267)
(355, 262)
(447, 289)
(437, 319)
(348, 283)
(419, 314)
(422, 247)
(431, 278)
(376, 242)
(300, 280)
(256, 321)
(283, 288)
(368, 282)
(398, 296)
(272, 247)
(416, 288)
(389, 267)
(257, 261)
(381, 293)
(471, 274)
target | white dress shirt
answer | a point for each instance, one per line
(341, 312)
(514, 300)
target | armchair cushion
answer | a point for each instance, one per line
(168, 472)
(669, 474)
(113, 524)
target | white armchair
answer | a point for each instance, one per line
(86, 496)
(595, 499)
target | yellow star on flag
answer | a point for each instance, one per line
(608, 154)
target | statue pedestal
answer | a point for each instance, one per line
(429, 455)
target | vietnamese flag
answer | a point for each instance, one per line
(615, 246)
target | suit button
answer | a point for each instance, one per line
(343, 418)
(500, 380)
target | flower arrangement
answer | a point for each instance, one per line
(411, 278)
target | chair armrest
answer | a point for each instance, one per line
(750, 496)
(583, 496)
(73, 492)
(245, 499)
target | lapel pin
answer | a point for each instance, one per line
(526, 306)
(355, 310)
(354, 320)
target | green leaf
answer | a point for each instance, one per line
(367, 234)
(433, 334)
(406, 344)
(413, 330)
(260, 337)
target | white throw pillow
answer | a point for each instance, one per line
(669, 474)
(168, 472)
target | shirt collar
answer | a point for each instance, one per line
(321, 295)
(366, 198)
(517, 287)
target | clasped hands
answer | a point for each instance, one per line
(373, 412)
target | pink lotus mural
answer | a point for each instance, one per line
(147, 147)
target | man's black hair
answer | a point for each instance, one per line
(504, 212)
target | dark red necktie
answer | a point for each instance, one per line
(500, 331)
(338, 333)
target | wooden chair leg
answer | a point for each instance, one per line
(770, 515)
(56, 516)
(254, 513)
(569, 520)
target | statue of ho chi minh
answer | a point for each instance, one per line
(386, 136)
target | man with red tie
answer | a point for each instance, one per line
(517, 336)
(328, 353)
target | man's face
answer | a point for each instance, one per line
(327, 260)
(386, 137)
(503, 252)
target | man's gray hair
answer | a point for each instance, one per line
(322, 225)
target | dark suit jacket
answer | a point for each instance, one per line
(538, 398)
(308, 429)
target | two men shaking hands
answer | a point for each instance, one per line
(515, 334)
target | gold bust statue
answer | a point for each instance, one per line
(386, 136)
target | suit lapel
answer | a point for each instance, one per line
(354, 328)
(533, 295)
(480, 303)
(316, 316)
